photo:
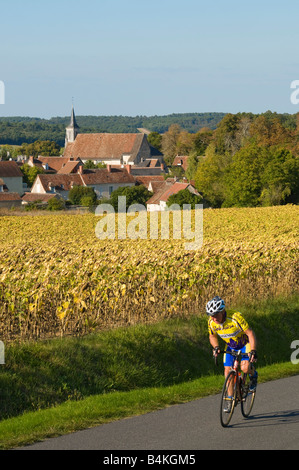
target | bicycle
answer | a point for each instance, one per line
(235, 390)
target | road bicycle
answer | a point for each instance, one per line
(236, 390)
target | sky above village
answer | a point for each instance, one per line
(157, 57)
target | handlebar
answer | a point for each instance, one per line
(233, 353)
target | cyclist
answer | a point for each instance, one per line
(231, 326)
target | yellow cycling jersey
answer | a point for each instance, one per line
(232, 330)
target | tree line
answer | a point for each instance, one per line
(248, 160)
(19, 130)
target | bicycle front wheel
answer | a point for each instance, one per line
(228, 398)
(247, 398)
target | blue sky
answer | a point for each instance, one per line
(118, 57)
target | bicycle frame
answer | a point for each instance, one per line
(236, 381)
(241, 376)
(237, 361)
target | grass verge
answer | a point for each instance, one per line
(49, 388)
(99, 409)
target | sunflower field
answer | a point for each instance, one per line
(58, 278)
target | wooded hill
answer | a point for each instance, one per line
(18, 130)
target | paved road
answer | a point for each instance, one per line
(195, 426)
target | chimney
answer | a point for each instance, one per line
(128, 168)
(80, 169)
(109, 168)
(31, 159)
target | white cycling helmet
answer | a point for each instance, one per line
(215, 305)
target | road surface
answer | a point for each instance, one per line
(195, 426)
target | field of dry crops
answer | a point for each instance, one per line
(57, 278)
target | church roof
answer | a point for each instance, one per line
(105, 146)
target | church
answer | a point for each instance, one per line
(110, 149)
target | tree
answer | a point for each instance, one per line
(192, 166)
(91, 165)
(267, 130)
(225, 134)
(7, 152)
(77, 193)
(133, 194)
(184, 197)
(155, 139)
(55, 204)
(169, 142)
(30, 173)
(184, 143)
(280, 178)
(175, 170)
(45, 148)
(202, 140)
(262, 176)
(210, 176)
(244, 178)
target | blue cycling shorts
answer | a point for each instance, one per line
(228, 359)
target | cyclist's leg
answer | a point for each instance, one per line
(248, 368)
(228, 361)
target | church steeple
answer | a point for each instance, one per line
(72, 129)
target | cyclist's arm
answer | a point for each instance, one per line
(252, 338)
(214, 341)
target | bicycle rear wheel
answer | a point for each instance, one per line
(247, 398)
(228, 398)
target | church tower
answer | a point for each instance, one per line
(72, 129)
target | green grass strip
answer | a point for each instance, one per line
(99, 409)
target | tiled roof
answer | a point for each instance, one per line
(166, 191)
(69, 167)
(10, 169)
(156, 198)
(33, 197)
(146, 180)
(181, 161)
(174, 189)
(104, 146)
(88, 178)
(61, 182)
(54, 163)
(149, 163)
(10, 197)
(156, 186)
(102, 176)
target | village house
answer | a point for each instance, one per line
(11, 184)
(11, 176)
(151, 182)
(181, 161)
(9, 200)
(104, 181)
(158, 202)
